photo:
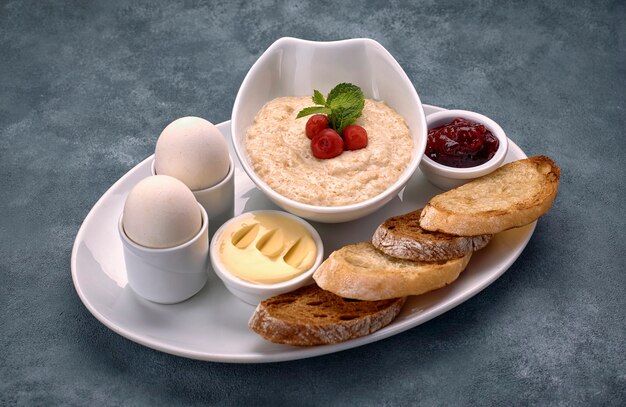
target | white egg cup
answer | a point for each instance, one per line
(170, 275)
(219, 200)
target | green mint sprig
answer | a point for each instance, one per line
(343, 105)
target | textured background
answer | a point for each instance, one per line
(86, 87)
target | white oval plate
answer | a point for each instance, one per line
(213, 325)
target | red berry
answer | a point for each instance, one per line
(354, 137)
(327, 144)
(315, 124)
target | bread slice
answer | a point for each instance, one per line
(311, 316)
(362, 272)
(403, 237)
(514, 195)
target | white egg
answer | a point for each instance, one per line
(193, 150)
(160, 212)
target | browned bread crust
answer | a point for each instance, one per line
(514, 195)
(363, 272)
(403, 237)
(311, 316)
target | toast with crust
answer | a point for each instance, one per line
(311, 316)
(403, 237)
(361, 271)
(514, 195)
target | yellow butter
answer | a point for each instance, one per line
(266, 248)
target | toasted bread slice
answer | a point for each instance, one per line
(363, 272)
(515, 194)
(403, 237)
(311, 316)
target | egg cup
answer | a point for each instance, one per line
(169, 275)
(219, 200)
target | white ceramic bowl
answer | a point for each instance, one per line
(294, 67)
(254, 293)
(445, 177)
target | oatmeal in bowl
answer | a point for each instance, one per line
(281, 156)
(313, 176)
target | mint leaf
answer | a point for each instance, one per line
(346, 104)
(347, 100)
(313, 110)
(343, 105)
(318, 98)
(341, 117)
(344, 89)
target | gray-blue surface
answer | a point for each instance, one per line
(86, 87)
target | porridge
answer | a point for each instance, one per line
(280, 154)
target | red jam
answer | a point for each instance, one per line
(461, 143)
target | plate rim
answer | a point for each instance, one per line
(302, 353)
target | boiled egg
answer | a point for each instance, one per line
(193, 150)
(160, 212)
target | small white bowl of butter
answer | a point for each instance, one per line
(260, 254)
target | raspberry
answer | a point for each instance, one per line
(354, 137)
(326, 144)
(315, 124)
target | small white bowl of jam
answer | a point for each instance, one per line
(461, 146)
(260, 254)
